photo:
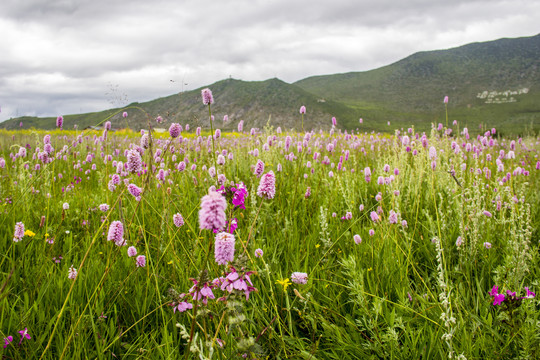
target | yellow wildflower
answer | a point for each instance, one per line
(29, 233)
(284, 282)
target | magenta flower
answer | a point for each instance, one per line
(212, 213)
(224, 248)
(267, 186)
(116, 232)
(140, 261)
(445, 100)
(24, 335)
(299, 278)
(124, 114)
(357, 239)
(487, 213)
(207, 97)
(371, 232)
(374, 216)
(8, 340)
(59, 122)
(259, 253)
(104, 207)
(494, 290)
(498, 299)
(487, 245)
(530, 294)
(178, 220)
(302, 109)
(334, 121)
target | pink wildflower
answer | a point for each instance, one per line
(134, 161)
(131, 251)
(72, 273)
(19, 232)
(174, 130)
(212, 213)
(259, 168)
(116, 232)
(267, 186)
(258, 253)
(299, 278)
(140, 261)
(207, 97)
(224, 248)
(357, 239)
(59, 122)
(178, 220)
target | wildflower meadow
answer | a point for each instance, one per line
(267, 243)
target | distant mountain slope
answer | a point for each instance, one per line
(258, 103)
(496, 81)
(492, 84)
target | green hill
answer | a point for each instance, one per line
(258, 103)
(494, 84)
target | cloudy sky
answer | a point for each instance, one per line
(62, 57)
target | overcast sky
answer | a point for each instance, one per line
(62, 57)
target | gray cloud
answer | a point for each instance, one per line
(63, 56)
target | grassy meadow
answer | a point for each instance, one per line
(269, 244)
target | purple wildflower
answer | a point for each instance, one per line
(174, 130)
(259, 253)
(302, 109)
(59, 122)
(357, 239)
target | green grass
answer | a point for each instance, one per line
(378, 299)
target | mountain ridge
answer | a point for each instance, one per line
(494, 83)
